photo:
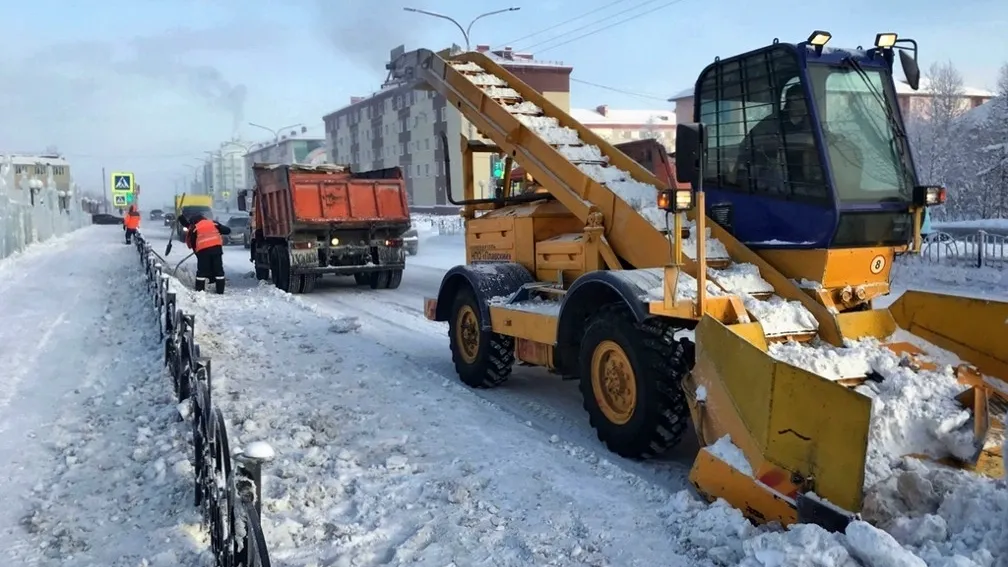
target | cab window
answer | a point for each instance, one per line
(760, 130)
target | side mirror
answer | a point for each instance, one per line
(910, 69)
(241, 201)
(690, 147)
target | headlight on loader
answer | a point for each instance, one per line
(675, 200)
(928, 195)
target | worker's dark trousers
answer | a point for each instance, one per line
(129, 235)
(210, 267)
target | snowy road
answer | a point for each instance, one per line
(395, 320)
(386, 459)
(92, 461)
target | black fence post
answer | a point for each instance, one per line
(250, 461)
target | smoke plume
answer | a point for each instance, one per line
(366, 32)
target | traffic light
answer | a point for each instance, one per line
(497, 167)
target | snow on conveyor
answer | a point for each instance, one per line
(93, 460)
(777, 315)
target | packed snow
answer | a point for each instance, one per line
(94, 459)
(913, 411)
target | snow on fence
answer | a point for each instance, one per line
(228, 484)
(978, 249)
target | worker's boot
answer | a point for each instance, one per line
(219, 285)
(200, 283)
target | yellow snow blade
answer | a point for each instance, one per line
(799, 432)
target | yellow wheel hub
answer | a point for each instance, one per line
(467, 333)
(613, 382)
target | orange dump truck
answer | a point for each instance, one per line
(310, 220)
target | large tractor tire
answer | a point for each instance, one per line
(631, 381)
(379, 280)
(360, 278)
(395, 278)
(306, 283)
(483, 359)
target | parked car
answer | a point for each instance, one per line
(105, 218)
(156, 214)
(238, 226)
(169, 219)
(411, 240)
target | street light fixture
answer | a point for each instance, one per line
(276, 133)
(465, 31)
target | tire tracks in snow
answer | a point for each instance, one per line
(541, 401)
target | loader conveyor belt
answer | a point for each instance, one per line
(586, 173)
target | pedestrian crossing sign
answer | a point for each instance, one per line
(123, 188)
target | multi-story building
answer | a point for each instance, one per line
(30, 175)
(400, 126)
(295, 147)
(224, 174)
(616, 126)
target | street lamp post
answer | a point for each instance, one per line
(465, 31)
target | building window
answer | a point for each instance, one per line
(754, 148)
(426, 168)
(426, 143)
(402, 148)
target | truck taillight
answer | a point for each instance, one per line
(393, 242)
(302, 245)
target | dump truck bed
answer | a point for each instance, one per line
(300, 196)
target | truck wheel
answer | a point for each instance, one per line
(395, 278)
(483, 359)
(309, 283)
(305, 283)
(379, 280)
(262, 272)
(361, 279)
(631, 377)
(280, 266)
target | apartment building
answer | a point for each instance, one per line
(616, 126)
(400, 126)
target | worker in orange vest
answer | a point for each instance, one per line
(131, 223)
(203, 236)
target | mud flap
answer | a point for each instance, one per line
(814, 510)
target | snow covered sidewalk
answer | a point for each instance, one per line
(93, 458)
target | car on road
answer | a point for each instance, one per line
(156, 214)
(238, 225)
(169, 219)
(411, 240)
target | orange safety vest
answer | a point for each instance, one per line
(132, 221)
(207, 235)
